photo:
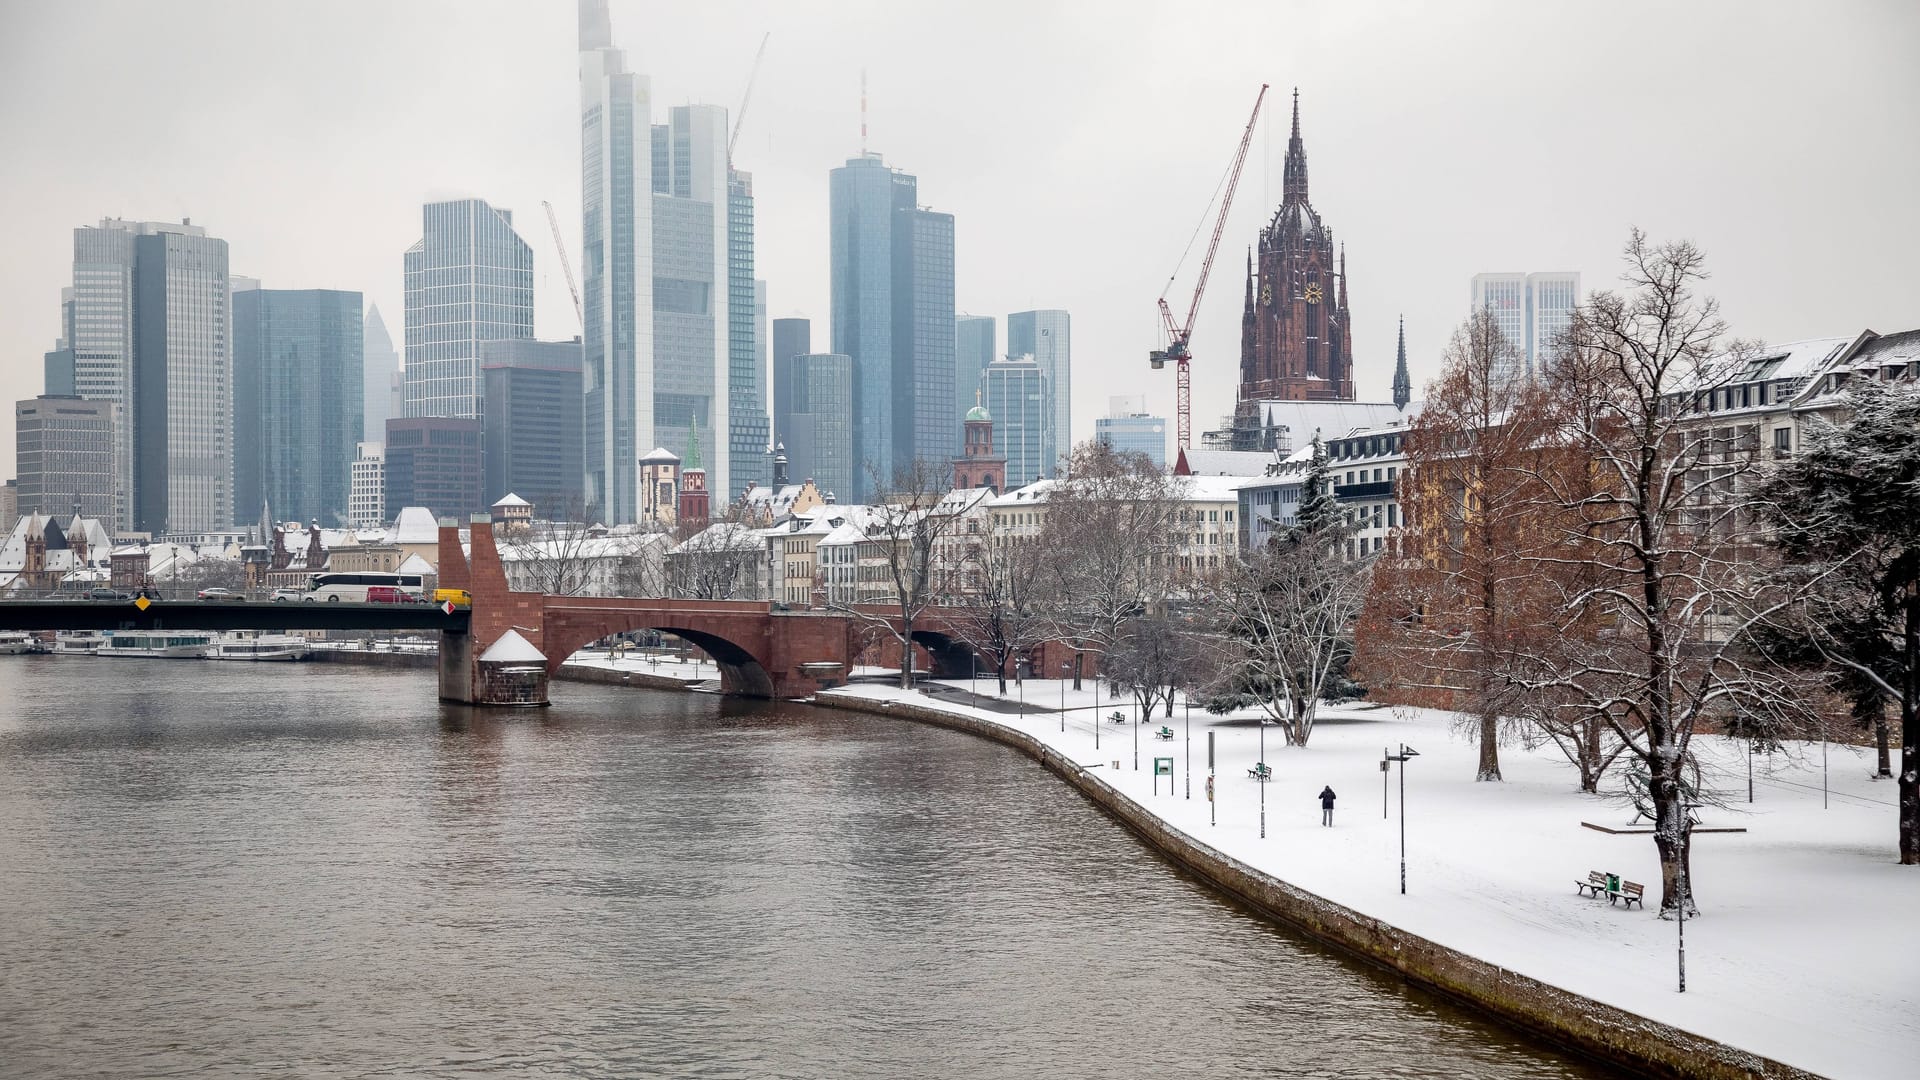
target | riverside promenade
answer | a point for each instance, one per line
(1800, 956)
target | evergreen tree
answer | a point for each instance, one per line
(1318, 509)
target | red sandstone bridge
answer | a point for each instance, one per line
(760, 652)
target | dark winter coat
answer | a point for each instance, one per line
(1326, 798)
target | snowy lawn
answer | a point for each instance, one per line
(694, 668)
(1806, 939)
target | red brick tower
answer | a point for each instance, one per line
(694, 509)
(1295, 338)
(978, 466)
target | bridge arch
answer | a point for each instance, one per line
(742, 670)
(950, 657)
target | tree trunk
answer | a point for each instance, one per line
(906, 662)
(1590, 757)
(1489, 748)
(1671, 834)
(1079, 662)
(1882, 735)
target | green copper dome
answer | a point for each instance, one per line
(978, 413)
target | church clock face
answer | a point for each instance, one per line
(1266, 294)
(1313, 293)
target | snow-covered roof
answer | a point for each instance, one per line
(847, 533)
(660, 455)
(1228, 462)
(414, 564)
(512, 500)
(512, 648)
(1330, 419)
(1029, 495)
(1215, 488)
(414, 525)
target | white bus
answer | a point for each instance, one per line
(355, 588)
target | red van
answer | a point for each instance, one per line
(387, 594)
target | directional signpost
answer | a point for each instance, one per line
(1162, 766)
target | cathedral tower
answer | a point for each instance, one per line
(1295, 338)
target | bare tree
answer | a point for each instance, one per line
(1653, 556)
(554, 557)
(1287, 615)
(1109, 544)
(1471, 504)
(905, 533)
(998, 609)
(1152, 660)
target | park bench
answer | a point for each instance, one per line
(1118, 718)
(1260, 771)
(1595, 885)
(1164, 733)
(1630, 891)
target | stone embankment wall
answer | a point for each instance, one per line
(1586, 1026)
(568, 672)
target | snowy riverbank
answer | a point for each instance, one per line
(1802, 952)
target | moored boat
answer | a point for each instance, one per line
(257, 645)
(159, 644)
(15, 642)
(78, 642)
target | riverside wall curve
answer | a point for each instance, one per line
(1601, 1031)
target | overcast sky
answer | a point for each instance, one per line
(1077, 145)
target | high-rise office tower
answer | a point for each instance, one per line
(381, 365)
(667, 255)
(298, 414)
(975, 344)
(532, 444)
(892, 271)
(63, 452)
(791, 338)
(1016, 396)
(436, 462)
(469, 279)
(58, 365)
(1129, 427)
(820, 436)
(367, 497)
(1532, 310)
(745, 436)
(1047, 336)
(149, 327)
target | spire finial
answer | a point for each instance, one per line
(693, 446)
(976, 395)
(1295, 187)
(1296, 112)
(1402, 382)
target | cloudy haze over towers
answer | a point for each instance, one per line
(1041, 226)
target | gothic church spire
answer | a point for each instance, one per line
(1402, 383)
(1295, 189)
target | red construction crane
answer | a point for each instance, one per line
(1180, 334)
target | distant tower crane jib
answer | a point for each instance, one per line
(1180, 334)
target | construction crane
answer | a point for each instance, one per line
(741, 116)
(1180, 334)
(566, 264)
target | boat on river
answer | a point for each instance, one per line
(14, 642)
(78, 642)
(158, 644)
(257, 645)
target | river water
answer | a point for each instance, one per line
(318, 870)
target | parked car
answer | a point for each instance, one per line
(456, 597)
(217, 593)
(287, 594)
(107, 594)
(388, 594)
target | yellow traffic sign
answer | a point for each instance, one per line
(142, 603)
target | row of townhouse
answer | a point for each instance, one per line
(1204, 529)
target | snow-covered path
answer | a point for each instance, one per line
(1804, 948)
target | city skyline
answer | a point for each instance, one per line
(1411, 243)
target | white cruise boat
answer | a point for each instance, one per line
(257, 645)
(162, 644)
(15, 642)
(78, 642)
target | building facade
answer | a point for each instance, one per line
(469, 279)
(976, 341)
(1016, 396)
(64, 456)
(1135, 432)
(820, 441)
(1296, 341)
(298, 382)
(892, 286)
(380, 366)
(367, 493)
(1532, 310)
(1047, 336)
(435, 462)
(791, 338)
(532, 442)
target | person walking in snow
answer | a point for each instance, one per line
(1326, 806)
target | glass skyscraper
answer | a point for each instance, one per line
(892, 271)
(469, 279)
(1017, 399)
(1047, 336)
(381, 366)
(820, 438)
(531, 445)
(975, 339)
(298, 412)
(1532, 310)
(1135, 433)
(669, 300)
(791, 338)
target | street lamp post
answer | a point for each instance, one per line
(1188, 705)
(1405, 753)
(973, 660)
(1136, 742)
(1258, 774)
(1063, 699)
